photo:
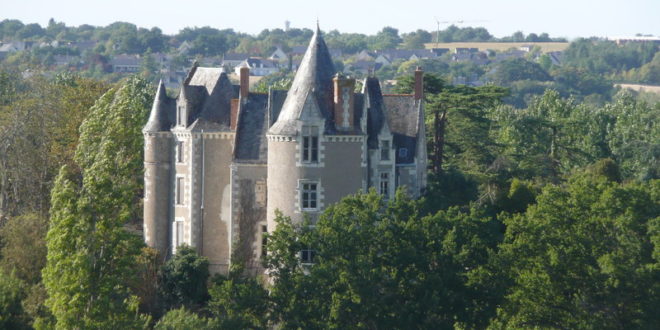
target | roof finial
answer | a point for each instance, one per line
(318, 29)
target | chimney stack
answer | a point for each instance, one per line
(233, 114)
(419, 84)
(244, 78)
(343, 101)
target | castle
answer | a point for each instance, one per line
(220, 160)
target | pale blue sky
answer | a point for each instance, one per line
(560, 18)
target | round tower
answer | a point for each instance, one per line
(157, 164)
(314, 148)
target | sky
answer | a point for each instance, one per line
(559, 18)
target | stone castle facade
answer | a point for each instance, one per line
(220, 160)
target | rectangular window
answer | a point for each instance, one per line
(264, 240)
(309, 196)
(384, 150)
(385, 184)
(310, 152)
(179, 151)
(307, 256)
(260, 192)
(178, 233)
(179, 191)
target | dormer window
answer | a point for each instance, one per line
(310, 144)
(384, 150)
(179, 117)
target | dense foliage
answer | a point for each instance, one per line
(90, 252)
(539, 213)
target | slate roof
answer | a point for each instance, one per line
(255, 62)
(365, 65)
(376, 116)
(235, 56)
(275, 103)
(314, 78)
(299, 50)
(207, 93)
(162, 112)
(402, 115)
(125, 59)
(251, 144)
(393, 54)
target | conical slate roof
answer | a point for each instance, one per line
(314, 78)
(159, 118)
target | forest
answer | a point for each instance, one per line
(538, 214)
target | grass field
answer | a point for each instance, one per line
(500, 46)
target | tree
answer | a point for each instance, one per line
(583, 257)
(183, 319)
(12, 315)
(379, 265)
(24, 250)
(239, 301)
(39, 124)
(183, 279)
(516, 69)
(416, 40)
(90, 252)
(387, 38)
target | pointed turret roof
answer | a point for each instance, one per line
(314, 78)
(159, 118)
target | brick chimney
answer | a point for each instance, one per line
(244, 79)
(419, 84)
(343, 102)
(233, 114)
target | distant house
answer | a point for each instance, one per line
(555, 57)
(232, 60)
(15, 46)
(440, 51)
(126, 63)
(499, 57)
(65, 60)
(258, 66)
(184, 47)
(526, 48)
(388, 56)
(365, 55)
(382, 59)
(163, 60)
(279, 55)
(362, 67)
(478, 58)
(84, 45)
(464, 50)
(214, 61)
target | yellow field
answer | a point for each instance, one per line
(500, 46)
(640, 88)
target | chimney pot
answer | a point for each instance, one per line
(244, 81)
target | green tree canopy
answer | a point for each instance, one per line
(90, 253)
(585, 256)
(377, 265)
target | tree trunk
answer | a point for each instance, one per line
(439, 121)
